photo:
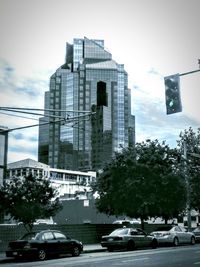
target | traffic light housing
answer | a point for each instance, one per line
(172, 94)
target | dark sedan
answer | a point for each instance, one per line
(40, 245)
(128, 238)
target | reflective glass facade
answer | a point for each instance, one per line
(90, 80)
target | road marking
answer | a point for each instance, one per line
(127, 261)
(197, 263)
(139, 259)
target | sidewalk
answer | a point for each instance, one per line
(87, 248)
(93, 248)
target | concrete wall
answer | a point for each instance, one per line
(81, 211)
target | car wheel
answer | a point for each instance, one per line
(192, 240)
(130, 245)
(154, 243)
(110, 249)
(176, 241)
(42, 255)
(75, 251)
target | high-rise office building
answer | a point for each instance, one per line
(89, 81)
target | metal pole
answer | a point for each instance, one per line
(190, 72)
(187, 187)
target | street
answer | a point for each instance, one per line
(182, 256)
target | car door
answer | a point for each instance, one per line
(63, 242)
(145, 239)
(49, 243)
(139, 237)
(180, 234)
(187, 236)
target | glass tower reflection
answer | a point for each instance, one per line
(90, 80)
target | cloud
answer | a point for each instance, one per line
(20, 92)
(23, 144)
(148, 106)
(20, 155)
(23, 92)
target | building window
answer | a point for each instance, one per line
(101, 94)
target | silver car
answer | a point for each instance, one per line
(173, 235)
(196, 232)
(128, 238)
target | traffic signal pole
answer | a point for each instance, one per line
(189, 224)
(190, 72)
(172, 91)
(173, 105)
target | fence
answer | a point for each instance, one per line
(87, 233)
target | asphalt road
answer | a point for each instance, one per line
(183, 256)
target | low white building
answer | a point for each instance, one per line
(69, 184)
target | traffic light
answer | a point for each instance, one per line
(172, 94)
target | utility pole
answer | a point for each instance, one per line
(187, 186)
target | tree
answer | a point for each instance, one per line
(189, 146)
(142, 182)
(26, 199)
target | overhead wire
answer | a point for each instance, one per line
(66, 120)
(14, 115)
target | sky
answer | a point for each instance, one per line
(152, 38)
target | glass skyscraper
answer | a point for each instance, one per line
(89, 81)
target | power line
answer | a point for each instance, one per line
(14, 115)
(53, 110)
(33, 113)
(66, 120)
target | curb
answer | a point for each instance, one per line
(94, 250)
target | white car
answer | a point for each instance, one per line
(127, 222)
(173, 235)
(128, 238)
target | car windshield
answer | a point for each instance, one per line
(29, 236)
(120, 232)
(196, 230)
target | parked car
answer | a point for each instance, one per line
(44, 221)
(128, 238)
(127, 222)
(40, 245)
(173, 235)
(196, 232)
